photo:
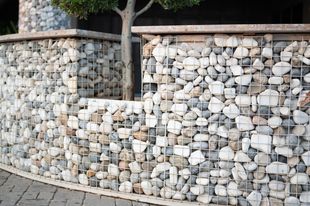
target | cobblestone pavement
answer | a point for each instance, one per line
(16, 190)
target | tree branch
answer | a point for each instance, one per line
(117, 10)
(144, 9)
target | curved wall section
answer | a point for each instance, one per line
(224, 118)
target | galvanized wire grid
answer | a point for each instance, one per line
(214, 125)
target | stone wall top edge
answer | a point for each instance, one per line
(228, 28)
(67, 33)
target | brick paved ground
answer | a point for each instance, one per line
(16, 190)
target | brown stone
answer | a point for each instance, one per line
(189, 132)
(172, 139)
(178, 161)
(255, 88)
(84, 151)
(140, 157)
(140, 135)
(126, 155)
(148, 166)
(103, 139)
(104, 165)
(137, 188)
(279, 131)
(235, 145)
(95, 117)
(118, 117)
(70, 132)
(63, 119)
(305, 101)
(74, 171)
(182, 140)
(308, 171)
(92, 138)
(147, 50)
(257, 120)
(90, 173)
(259, 173)
(123, 165)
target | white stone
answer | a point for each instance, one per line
(197, 189)
(72, 85)
(284, 151)
(66, 175)
(254, 198)
(261, 142)
(236, 70)
(213, 59)
(204, 198)
(226, 153)
(241, 157)
(159, 53)
(277, 168)
(34, 169)
(305, 197)
(267, 52)
(222, 131)
(241, 52)
(139, 146)
(246, 142)
(196, 158)
(216, 88)
(191, 63)
(179, 109)
(258, 64)
(231, 111)
(113, 170)
(306, 158)
(281, 68)
(220, 40)
(147, 187)
(274, 121)
(135, 167)
(232, 41)
(54, 151)
(181, 150)
(300, 179)
(243, 79)
(124, 133)
(201, 137)
(174, 127)
(201, 121)
(232, 189)
(244, 123)
(73, 122)
(215, 105)
(148, 106)
(275, 80)
(229, 93)
(220, 190)
(173, 175)
(150, 120)
(249, 42)
(115, 148)
(161, 141)
(243, 100)
(204, 62)
(125, 187)
(307, 78)
(83, 179)
(92, 127)
(161, 167)
(268, 97)
(300, 117)
(286, 56)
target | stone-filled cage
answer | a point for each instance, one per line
(223, 120)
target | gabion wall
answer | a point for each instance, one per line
(224, 119)
(40, 15)
(236, 113)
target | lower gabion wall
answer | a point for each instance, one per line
(40, 15)
(224, 119)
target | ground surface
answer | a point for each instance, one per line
(16, 190)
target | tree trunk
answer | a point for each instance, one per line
(126, 47)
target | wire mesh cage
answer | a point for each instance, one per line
(224, 118)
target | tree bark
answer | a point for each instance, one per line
(126, 46)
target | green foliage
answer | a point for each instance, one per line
(82, 8)
(178, 4)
